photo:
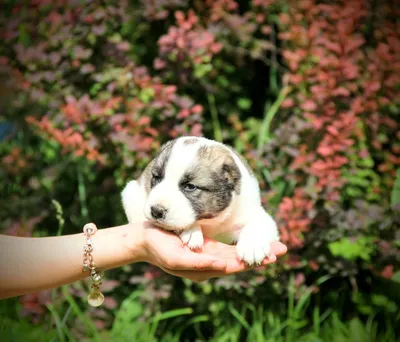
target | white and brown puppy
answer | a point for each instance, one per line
(198, 186)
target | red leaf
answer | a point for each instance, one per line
(341, 91)
(372, 86)
(335, 47)
(179, 15)
(159, 64)
(309, 106)
(197, 109)
(266, 29)
(333, 130)
(184, 113)
(313, 265)
(353, 44)
(387, 272)
(287, 103)
(284, 18)
(325, 151)
(143, 121)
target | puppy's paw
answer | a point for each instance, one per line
(254, 243)
(193, 238)
(253, 251)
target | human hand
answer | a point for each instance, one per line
(216, 259)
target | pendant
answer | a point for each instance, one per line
(95, 298)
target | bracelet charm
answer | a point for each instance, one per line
(95, 298)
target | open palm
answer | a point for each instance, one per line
(216, 259)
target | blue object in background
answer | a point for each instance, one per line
(6, 128)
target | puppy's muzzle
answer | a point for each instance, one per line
(158, 212)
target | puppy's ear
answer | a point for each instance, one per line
(167, 145)
(231, 174)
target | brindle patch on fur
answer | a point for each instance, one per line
(217, 158)
(216, 176)
(190, 141)
(244, 161)
(157, 166)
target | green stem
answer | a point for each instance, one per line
(265, 134)
(82, 195)
(214, 116)
(56, 317)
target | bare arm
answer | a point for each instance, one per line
(29, 265)
(32, 264)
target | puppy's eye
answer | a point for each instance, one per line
(190, 187)
(155, 179)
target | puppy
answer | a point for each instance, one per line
(195, 187)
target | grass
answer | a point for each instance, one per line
(250, 323)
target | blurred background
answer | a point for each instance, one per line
(308, 91)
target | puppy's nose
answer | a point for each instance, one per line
(158, 212)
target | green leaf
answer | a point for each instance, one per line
(395, 198)
(396, 277)
(264, 135)
(241, 318)
(244, 103)
(172, 313)
(23, 35)
(360, 181)
(11, 330)
(223, 81)
(95, 89)
(202, 69)
(354, 192)
(146, 95)
(380, 300)
(361, 248)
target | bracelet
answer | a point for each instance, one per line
(95, 298)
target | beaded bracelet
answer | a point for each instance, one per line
(95, 298)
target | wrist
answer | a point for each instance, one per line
(141, 241)
(118, 246)
(133, 242)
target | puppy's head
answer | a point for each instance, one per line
(191, 179)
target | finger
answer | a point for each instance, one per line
(235, 266)
(196, 276)
(196, 262)
(232, 267)
(207, 262)
(199, 276)
(278, 248)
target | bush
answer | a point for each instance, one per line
(308, 92)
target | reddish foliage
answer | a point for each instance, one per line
(344, 85)
(387, 272)
(15, 161)
(294, 215)
(34, 305)
(187, 42)
(333, 148)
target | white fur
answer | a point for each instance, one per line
(167, 193)
(244, 221)
(133, 200)
(193, 237)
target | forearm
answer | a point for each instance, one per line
(32, 264)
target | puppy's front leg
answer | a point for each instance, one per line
(193, 237)
(256, 236)
(133, 200)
